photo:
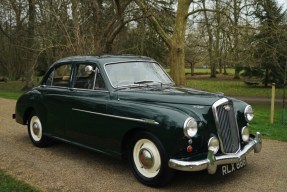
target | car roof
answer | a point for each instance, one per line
(104, 59)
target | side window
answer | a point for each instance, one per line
(84, 78)
(99, 84)
(60, 76)
(88, 77)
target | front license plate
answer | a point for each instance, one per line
(230, 168)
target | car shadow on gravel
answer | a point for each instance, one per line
(119, 166)
(62, 150)
(202, 178)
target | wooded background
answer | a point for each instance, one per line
(218, 34)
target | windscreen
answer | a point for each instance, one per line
(132, 73)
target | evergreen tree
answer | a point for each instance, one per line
(271, 41)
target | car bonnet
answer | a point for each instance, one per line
(175, 95)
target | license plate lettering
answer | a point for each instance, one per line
(226, 169)
(241, 164)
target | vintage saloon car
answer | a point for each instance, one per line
(127, 106)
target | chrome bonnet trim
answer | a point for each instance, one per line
(211, 162)
(147, 121)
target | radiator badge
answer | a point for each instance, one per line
(227, 107)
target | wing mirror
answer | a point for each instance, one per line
(89, 69)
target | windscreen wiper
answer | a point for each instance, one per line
(143, 82)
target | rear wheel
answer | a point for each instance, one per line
(35, 131)
(149, 160)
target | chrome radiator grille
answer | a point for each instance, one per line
(226, 125)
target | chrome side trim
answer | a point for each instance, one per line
(211, 162)
(147, 121)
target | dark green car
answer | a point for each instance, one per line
(128, 107)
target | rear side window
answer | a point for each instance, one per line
(60, 76)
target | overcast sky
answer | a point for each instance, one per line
(283, 2)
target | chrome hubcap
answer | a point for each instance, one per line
(146, 158)
(36, 129)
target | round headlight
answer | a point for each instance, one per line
(190, 127)
(248, 113)
(213, 144)
(245, 134)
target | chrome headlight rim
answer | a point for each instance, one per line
(245, 134)
(248, 113)
(190, 127)
(213, 144)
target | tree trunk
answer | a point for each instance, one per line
(217, 38)
(77, 45)
(236, 15)
(237, 72)
(266, 80)
(175, 43)
(191, 68)
(212, 64)
(30, 65)
(176, 52)
(176, 63)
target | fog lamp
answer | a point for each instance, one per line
(248, 113)
(245, 134)
(213, 144)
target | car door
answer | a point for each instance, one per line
(87, 120)
(55, 91)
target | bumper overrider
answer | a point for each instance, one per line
(212, 161)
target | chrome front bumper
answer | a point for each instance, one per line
(212, 161)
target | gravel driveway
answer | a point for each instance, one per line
(64, 167)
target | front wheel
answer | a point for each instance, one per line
(35, 131)
(149, 160)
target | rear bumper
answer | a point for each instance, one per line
(18, 119)
(211, 162)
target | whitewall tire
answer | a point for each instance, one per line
(35, 131)
(149, 160)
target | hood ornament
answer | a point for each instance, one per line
(226, 107)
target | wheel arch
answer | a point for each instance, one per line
(27, 114)
(155, 174)
(127, 138)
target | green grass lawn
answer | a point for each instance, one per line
(12, 86)
(10, 184)
(11, 89)
(261, 122)
(233, 88)
(10, 95)
(204, 70)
